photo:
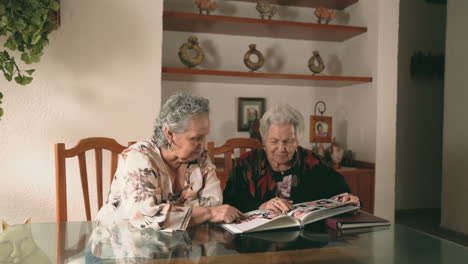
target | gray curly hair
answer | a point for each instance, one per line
(282, 114)
(175, 113)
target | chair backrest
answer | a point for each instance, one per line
(224, 164)
(61, 154)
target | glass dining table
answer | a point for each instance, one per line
(85, 242)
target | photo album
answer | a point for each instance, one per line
(300, 215)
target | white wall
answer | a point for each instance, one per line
(106, 55)
(225, 52)
(364, 116)
(420, 108)
(455, 135)
(386, 99)
(100, 76)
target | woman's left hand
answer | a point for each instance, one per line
(353, 199)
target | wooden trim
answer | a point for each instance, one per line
(323, 119)
(327, 255)
(224, 164)
(98, 154)
(333, 4)
(241, 101)
(114, 163)
(61, 154)
(91, 143)
(361, 179)
(192, 22)
(364, 164)
(60, 183)
(84, 184)
(219, 76)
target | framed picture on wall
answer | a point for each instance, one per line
(320, 129)
(249, 110)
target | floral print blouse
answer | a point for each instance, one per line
(142, 190)
(252, 180)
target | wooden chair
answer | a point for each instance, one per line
(224, 164)
(61, 154)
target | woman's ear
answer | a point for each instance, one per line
(169, 135)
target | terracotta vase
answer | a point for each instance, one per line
(324, 14)
(206, 6)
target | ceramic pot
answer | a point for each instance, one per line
(187, 60)
(253, 66)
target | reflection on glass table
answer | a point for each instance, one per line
(83, 242)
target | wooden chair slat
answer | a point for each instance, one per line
(98, 153)
(227, 151)
(84, 184)
(98, 144)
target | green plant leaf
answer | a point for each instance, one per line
(16, 5)
(30, 72)
(1, 112)
(36, 20)
(26, 38)
(2, 9)
(3, 21)
(23, 80)
(11, 43)
(26, 58)
(9, 66)
(54, 5)
(36, 38)
(1, 96)
(20, 24)
(36, 57)
(24, 26)
(7, 76)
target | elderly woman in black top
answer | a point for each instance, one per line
(283, 172)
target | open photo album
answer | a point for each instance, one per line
(301, 214)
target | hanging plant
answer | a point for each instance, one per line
(24, 27)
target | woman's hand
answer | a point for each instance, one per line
(353, 199)
(277, 205)
(225, 214)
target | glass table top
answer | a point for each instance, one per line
(84, 242)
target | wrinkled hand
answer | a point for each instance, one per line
(225, 213)
(353, 199)
(277, 205)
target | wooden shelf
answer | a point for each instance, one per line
(191, 22)
(333, 4)
(182, 74)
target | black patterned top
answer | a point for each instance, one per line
(252, 181)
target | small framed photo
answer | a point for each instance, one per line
(320, 129)
(249, 109)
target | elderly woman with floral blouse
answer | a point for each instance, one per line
(168, 182)
(283, 172)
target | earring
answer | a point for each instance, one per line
(170, 146)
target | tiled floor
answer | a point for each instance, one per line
(428, 220)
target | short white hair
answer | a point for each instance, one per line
(282, 114)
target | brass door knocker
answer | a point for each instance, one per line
(253, 66)
(316, 64)
(191, 45)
